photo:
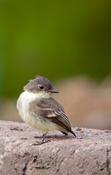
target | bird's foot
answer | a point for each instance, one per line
(36, 137)
(41, 142)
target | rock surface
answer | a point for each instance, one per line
(88, 154)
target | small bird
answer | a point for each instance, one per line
(38, 109)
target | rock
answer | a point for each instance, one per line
(88, 154)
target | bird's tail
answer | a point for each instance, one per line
(73, 133)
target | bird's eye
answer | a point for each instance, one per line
(41, 87)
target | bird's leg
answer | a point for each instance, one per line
(43, 137)
(43, 140)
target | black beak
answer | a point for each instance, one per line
(53, 91)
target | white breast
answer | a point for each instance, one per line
(23, 104)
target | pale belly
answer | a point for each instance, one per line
(40, 123)
(35, 121)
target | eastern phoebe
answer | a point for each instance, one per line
(38, 109)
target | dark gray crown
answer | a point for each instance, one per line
(38, 84)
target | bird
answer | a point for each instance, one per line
(39, 109)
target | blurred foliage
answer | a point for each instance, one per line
(56, 39)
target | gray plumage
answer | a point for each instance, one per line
(53, 111)
(37, 84)
(37, 108)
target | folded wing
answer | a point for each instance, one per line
(52, 110)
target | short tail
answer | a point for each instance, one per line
(66, 133)
(73, 133)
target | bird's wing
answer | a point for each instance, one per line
(51, 109)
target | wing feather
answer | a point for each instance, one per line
(52, 110)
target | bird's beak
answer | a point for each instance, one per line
(53, 91)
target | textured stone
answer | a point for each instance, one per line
(88, 154)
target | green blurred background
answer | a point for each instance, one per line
(56, 39)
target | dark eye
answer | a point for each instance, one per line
(41, 87)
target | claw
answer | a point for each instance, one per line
(40, 143)
(43, 140)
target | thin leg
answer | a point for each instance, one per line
(42, 141)
(43, 137)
